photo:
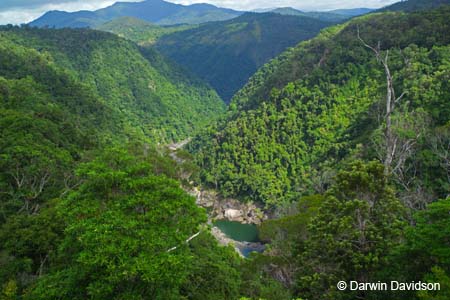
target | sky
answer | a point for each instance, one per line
(24, 11)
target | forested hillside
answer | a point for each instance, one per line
(81, 185)
(139, 31)
(333, 159)
(345, 138)
(321, 103)
(227, 53)
(153, 97)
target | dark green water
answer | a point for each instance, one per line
(238, 231)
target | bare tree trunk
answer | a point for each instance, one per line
(390, 139)
(186, 242)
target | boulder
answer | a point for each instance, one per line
(233, 214)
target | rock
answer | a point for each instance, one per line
(233, 214)
(227, 208)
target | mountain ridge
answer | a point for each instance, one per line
(156, 11)
(226, 53)
(315, 106)
(151, 93)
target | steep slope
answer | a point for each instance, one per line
(139, 31)
(47, 119)
(78, 186)
(158, 102)
(322, 102)
(226, 54)
(155, 11)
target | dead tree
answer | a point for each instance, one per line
(186, 242)
(391, 101)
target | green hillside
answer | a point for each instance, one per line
(124, 177)
(357, 194)
(73, 162)
(226, 54)
(48, 118)
(139, 31)
(320, 103)
(163, 107)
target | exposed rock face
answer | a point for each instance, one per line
(228, 209)
(233, 214)
(220, 208)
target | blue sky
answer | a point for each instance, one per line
(24, 11)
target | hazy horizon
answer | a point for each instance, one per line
(24, 11)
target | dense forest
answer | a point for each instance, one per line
(160, 101)
(225, 54)
(359, 193)
(141, 32)
(342, 142)
(320, 105)
(73, 165)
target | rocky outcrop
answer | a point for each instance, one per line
(233, 214)
(242, 248)
(228, 208)
(220, 208)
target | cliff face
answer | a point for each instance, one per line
(227, 208)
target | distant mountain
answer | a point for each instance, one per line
(415, 5)
(155, 11)
(324, 16)
(227, 53)
(352, 12)
(139, 31)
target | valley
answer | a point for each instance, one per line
(155, 150)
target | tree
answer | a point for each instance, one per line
(440, 145)
(358, 222)
(120, 224)
(391, 101)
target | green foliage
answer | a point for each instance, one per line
(148, 102)
(121, 225)
(82, 220)
(257, 281)
(30, 242)
(138, 31)
(47, 118)
(320, 103)
(214, 271)
(437, 276)
(427, 241)
(105, 229)
(359, 221)
(225, 54)
(9, 291)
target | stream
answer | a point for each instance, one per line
(243, 237)
(238, 231)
